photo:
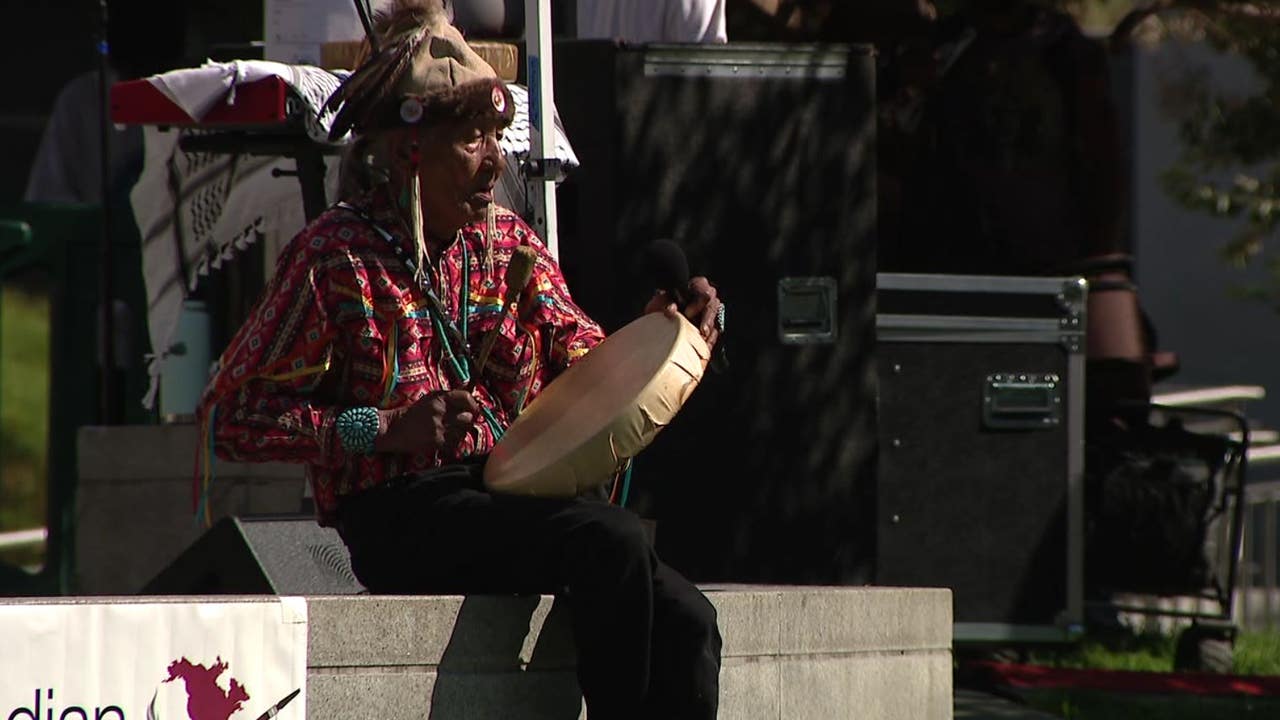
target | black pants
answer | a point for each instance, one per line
(647, 641)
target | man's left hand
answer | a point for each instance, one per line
(702, 309)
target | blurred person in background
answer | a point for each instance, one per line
(650, 21)
(142, 39)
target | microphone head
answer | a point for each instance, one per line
(668, 265)
(519, 270)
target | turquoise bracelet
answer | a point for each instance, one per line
(357, 429)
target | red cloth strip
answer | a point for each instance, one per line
(1131, 681)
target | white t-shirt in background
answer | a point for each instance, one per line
(643, 21)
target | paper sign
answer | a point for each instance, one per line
(214, 660)
(295, 29)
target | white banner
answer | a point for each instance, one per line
(154, 660)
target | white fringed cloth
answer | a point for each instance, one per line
(196, 211)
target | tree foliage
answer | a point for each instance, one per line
(1229, 156)
(1229, 164)
(1229, 160)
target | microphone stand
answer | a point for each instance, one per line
(108, 407)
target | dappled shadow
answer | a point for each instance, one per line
(758, 178)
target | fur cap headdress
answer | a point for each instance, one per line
(423, 71)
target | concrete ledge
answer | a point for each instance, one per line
(789, 652)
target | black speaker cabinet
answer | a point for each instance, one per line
(269, 555)
(759, 161)
(982, 449)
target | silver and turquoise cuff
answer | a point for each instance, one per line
(357, 429)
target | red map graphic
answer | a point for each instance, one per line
(206, 700)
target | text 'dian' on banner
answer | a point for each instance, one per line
(153, 660)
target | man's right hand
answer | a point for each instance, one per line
(438, 421)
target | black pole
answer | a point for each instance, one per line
(363, 10)
(108, 407)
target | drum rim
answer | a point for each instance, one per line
(685, 333)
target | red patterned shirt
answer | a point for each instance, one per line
(343, 323)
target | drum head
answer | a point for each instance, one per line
(603, 410)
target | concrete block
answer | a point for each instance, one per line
(748, 620)
(133, 502)
(157, 452)
(423, 695)
(790, 652)
(379, 631)
(895, 685)
(457, 634)
(864, 619)
(749, 691)
(127, 532)
(370, 695)
(749, 688)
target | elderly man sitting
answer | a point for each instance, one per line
(357, 362)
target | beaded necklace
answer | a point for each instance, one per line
(449, 332)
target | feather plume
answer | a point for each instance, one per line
(415, 224)
(399, 14)
(402, 28)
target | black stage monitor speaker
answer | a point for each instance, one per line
(759, 161)
(272, 555)
(982, 441)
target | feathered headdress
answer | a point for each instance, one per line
(423, 70)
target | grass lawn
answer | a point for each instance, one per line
(24, 414)
(1096, 705)
(1256, 653)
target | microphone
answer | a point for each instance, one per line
(667, 265)
(519, 271)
